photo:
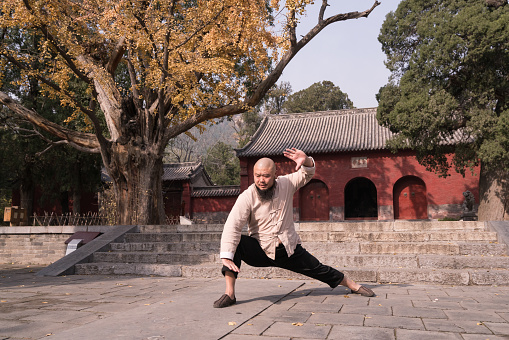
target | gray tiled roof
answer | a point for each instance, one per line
(171, 172)
(215, 191)
(320, 132)
(180, 171)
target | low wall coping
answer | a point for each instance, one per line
(68, 229)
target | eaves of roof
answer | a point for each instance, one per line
(216, 191)
(322, 132)
(181, 171)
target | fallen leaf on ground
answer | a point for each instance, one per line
(232, 323)
(297, 324)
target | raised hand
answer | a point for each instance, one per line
(299, 157)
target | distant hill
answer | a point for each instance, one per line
(184, 146)
(223, 132)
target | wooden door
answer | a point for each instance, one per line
(314, 202)
(410, 201)
(172, 203)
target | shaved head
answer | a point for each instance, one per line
(265, 163)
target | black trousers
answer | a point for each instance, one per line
(301, 261)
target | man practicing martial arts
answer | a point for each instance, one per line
(267, 208)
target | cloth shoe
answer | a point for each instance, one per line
(364, 291)
(224, 301)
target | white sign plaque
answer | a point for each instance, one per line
(359, 162)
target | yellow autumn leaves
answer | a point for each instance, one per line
(206, 54)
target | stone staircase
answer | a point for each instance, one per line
(453, 253)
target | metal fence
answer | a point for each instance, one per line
(52, 219)
(69, 219)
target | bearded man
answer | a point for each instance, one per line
(267, 208)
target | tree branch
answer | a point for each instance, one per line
(292, 27)
(46, 82)
(107, 94)
(151, 38)
(57, 47)
(116, 56)
(89, 112)
(198, 30)
(322, 11)
(134, 82)
(271, 79)
(86, 141)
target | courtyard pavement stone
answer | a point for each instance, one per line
(158, 308)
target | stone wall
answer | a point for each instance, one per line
(35, 249)
(37, 245)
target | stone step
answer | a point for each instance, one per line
(109, 268)
(379, 275)
(417, 261)
(161, 247)
(321, 249)
(453, 253)
(193, 228)
(381, 226)
(433, 248)
(401, 248)
(333, 259)
(173, 237)
(315, 236)
(144, 257)
(445, 276)
(334, 226)
(462, 262)
(398, 236)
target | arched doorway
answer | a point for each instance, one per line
(360, 199)
(314, 202)
(410, 202)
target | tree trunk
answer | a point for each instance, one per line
(76, 202)
(64, 202)
(77, 189)
(493, 190)
(26, 195)
(26, 189)
(137, 179)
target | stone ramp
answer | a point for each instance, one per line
(66, 265)
(459, 253)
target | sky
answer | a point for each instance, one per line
(347, 52)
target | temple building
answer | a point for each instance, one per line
(357, 177)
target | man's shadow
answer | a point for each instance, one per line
(298, 293)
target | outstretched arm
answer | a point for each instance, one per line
(299, 157)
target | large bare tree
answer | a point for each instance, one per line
(153, 70)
